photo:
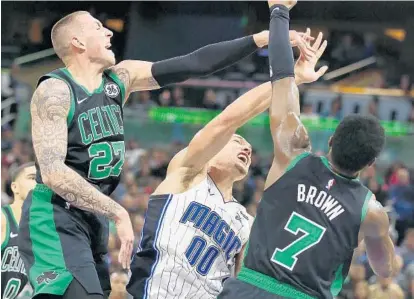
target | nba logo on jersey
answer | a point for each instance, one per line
(330, 184)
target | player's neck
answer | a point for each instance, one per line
(338, 170)
(16, 207)
(225, 186)
(87, 74)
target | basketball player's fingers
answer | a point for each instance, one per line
(318, 41)
(321, 49)
(322, 71)
(306, 51)
(306, 36)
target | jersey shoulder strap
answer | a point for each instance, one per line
(11, 224)
(6, 239)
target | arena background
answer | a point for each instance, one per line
(371, 70)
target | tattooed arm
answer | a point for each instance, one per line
(49, 111)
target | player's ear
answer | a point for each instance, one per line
(14, 188)
(78, 44)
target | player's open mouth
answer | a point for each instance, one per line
(244, 158)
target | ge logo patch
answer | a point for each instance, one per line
(111, 90)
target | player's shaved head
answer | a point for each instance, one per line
(61, 34)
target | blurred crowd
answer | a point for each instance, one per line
(145, 168)
(219, 99)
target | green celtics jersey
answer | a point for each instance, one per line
(95, 130)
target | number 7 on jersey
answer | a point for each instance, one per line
(313, 233)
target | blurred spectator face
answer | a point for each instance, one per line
(165, 98)
(307, 109)
(132, 144)
(357, 272)
(119, 281)
(210, 96)
(403, 177)
(178, 93)
(178, 96)
(361, 290)
(144, 96)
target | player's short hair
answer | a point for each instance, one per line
(59, 34)
(357, 142)
(18, 170)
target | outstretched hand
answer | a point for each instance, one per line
(305, 65)
(302, 41)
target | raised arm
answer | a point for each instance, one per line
(217, 133)
(49, 110)
(142, 75)
(378, 243)
(289, 135)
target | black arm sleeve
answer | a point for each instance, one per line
(203, 61)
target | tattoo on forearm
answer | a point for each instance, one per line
(49, 110)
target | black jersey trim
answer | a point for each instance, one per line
(6, 240)
(71, 112)
(121, 85)
(98, 90)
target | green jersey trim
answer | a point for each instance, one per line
(338, 281)
(270, 284)
(365, 206)
(12, 215)
(71, 112)
(6, 240)
(326, 163)
(98, 90)
(296, 160)
(46, 245)
(121, 85)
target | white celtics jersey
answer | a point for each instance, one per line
(195, 241)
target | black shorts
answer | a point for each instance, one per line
(237, 289)
(58, 243)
